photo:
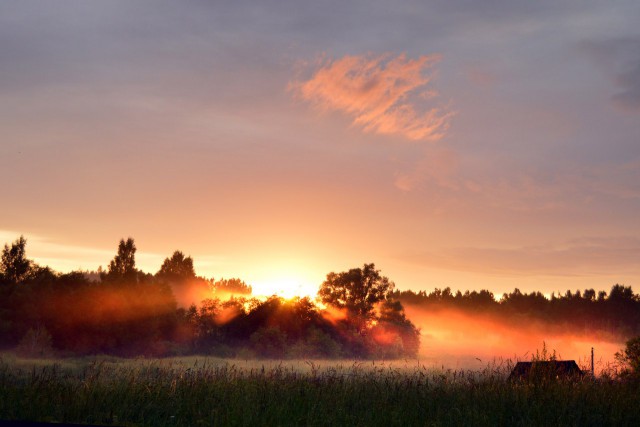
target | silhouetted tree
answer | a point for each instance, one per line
(14, 265)
(376, 324)
(393, 321)
(620, 293)
(356, 290)
(589, 295)
(177, 268)
(123, 265)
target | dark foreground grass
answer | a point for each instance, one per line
(169, 393)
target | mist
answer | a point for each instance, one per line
(454, 339)
(197, 290)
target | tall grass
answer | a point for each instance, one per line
(196, 391)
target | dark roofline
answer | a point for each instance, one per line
(561, 369)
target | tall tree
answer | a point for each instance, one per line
(177, 268)
(123, 265)
(356, 290)
(14, 265)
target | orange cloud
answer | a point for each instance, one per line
(383, 94)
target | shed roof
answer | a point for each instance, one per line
(550, 368)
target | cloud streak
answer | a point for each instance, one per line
(383, 94)
(621, 60)
(436, 164)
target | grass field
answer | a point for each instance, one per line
(198, 391)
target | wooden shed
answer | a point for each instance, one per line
(559, 369)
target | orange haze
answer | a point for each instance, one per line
(455, 339)
(195, 291)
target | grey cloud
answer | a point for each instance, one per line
(82, 43)
(62, 60)
(629, 98)
(620, 58)
(76, 41)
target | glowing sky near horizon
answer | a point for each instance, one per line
(466, 144)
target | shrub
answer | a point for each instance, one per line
(629, 359)
(269, 342)
(35, 343)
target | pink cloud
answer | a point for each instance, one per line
(383, 94)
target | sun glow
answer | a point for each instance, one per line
(284, 286)
(287, 277)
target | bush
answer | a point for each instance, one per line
(629, 359)
(269, 342)
(35, 343)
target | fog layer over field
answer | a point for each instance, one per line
(459, 340)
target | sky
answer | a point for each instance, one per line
(475, 145)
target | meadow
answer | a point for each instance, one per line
(193, 391)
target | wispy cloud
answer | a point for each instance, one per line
(385, 94)
(621, 60)
(437, 165)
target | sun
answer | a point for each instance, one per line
(285, 276)
(287, 280)
(284, 286)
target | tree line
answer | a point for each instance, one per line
(614, 313)
(127, 312)
(358, 313)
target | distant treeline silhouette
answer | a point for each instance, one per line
(124, 311)
(616, 313)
